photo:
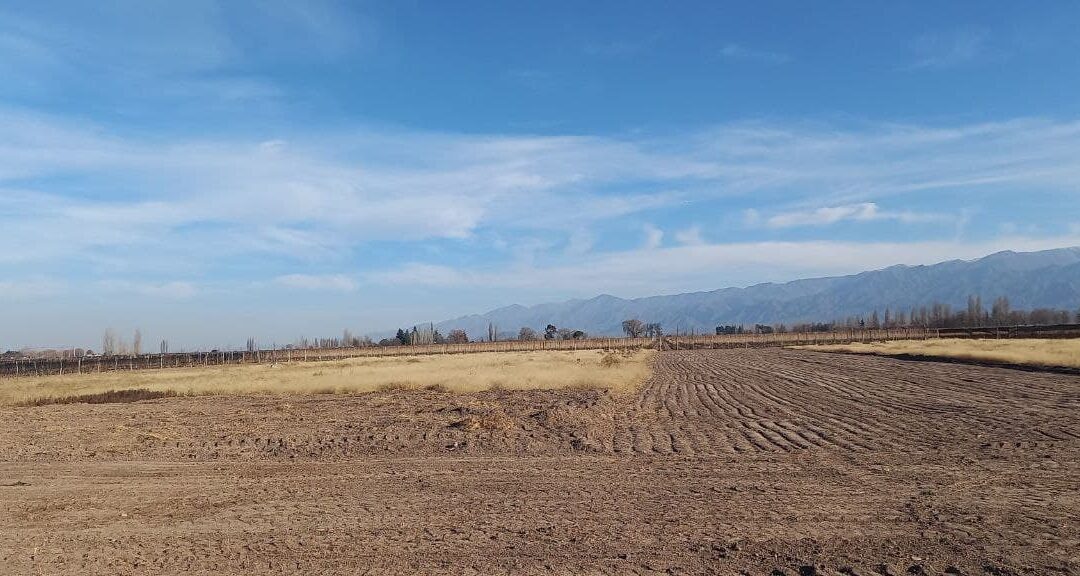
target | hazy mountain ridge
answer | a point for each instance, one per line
(1049, 278)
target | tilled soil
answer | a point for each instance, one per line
(727, 461)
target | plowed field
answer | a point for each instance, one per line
(727, 461)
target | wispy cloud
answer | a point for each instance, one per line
(580, 242)
(622, 48)
(185, 53)
(948, 50)
(174, 290)
(75, 192)
(332, 282)
(862, 212)
(421, 274)
(301, 198)
(654, 237)
(738, 52)
(690, 236)
(651, 270)
(839, 166)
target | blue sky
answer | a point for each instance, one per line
(208, 171)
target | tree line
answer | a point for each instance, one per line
(935, 315)
(459, 336)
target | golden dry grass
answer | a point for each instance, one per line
(452, 373)
(1027, 352)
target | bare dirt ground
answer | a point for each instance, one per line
(1047, 354)
(726, 462)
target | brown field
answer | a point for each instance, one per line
(621, 372)
(766, 461)
(1020, 351)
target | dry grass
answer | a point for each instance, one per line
(451, 373)
(1026, 352)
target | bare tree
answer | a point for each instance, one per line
(1000, 311)
(458, 336)
(108, 342)
(974, 310)
(527, 333)
(136, 342)
(633, 328)
(423, 334)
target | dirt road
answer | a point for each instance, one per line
(756, 461)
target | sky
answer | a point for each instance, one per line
(207, 171)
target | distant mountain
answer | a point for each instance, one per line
(1049, 278)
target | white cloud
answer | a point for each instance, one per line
(862, 212)
(690, 236)
(331, 282)
(175, 290)
(580, 242)
(419, 274)
(822, 216)
(185, 49)
(654, 237)
(296, 198)
(948, 50)
(751, 217)
(648, 271)
(623, 48)
(144, 201)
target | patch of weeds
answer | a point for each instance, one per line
(610, 361)
(108, 397)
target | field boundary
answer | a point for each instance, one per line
(909, 357)
(97, 364)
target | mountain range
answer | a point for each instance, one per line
(1049, 278)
